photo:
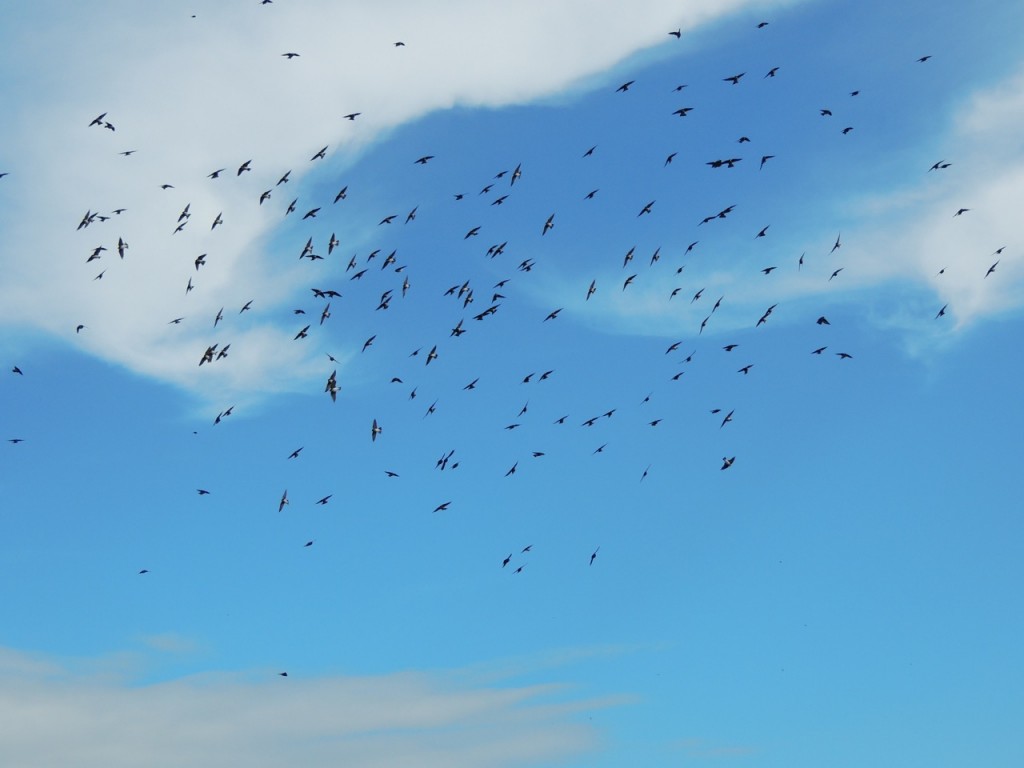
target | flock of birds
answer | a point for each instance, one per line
(477, 305)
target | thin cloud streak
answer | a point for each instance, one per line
(266, 720)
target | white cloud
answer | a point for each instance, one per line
(193, 95)
(54, 715)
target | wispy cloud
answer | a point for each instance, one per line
(900, 240)
(55, 715)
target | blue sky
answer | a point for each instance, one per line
(845, 593)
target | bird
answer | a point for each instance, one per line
(442, 507)
(290, 55)
(352, 116)
(424, 160)
(549, 224)
(767, 313)
(320, 155)
(992, 268)
(593, 556)
(284, 500)
(728, 462)
(676, 33)
(375, 430)
(734, 79)
(844, 356)
(202, 492)
(941, 311)
(295, 454)
(624, 87)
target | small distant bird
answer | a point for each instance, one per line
(624, 87)
(442, 507)
(941, 311)
(677, 33)
(290, 56)
(819, 350)
(766, 315)
(548, 224)
(284, 500)
(727, 462)
(352, 115)
(992, 268)
(202, 492)
(924, 59)
(823, 321)
(295, 454)
(960, 212)
(593, 556)
(844, 356)
(320, 155)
